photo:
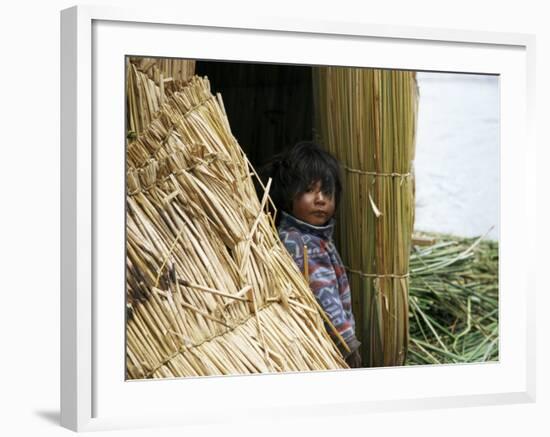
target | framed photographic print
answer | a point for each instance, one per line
(265, 214)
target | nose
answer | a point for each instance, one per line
(320, 197)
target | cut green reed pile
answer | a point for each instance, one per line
(210, 288)
(367, 119)
(454, 301)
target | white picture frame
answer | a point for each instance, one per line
(94, 394)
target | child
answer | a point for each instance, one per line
(306, 189)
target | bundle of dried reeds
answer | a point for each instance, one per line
(142, 102)
(366, 118)
(149, 82)
(211, 289)
(176, 71)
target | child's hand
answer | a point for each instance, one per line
(354, 359)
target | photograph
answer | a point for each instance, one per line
(298, 218)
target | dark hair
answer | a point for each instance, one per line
(294, 171)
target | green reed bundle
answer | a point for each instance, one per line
(367, 118)
(211, 289)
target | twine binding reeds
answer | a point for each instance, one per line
(211, 288)
(376, 275)
(374, 173)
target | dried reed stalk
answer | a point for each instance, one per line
(150, 81)
(366, 118)
(143, 100)
(211, 289)
(176, 71)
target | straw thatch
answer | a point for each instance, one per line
(366, 118)
(211, 289)
(176, 72)
(149, 82)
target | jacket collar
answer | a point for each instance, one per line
(325, 231)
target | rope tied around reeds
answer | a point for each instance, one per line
(374, 173)
(378, 275)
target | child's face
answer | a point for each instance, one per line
(313, 206)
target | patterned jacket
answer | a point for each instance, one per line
(327, 275)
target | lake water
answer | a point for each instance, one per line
(457, 154)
